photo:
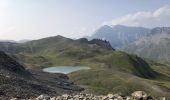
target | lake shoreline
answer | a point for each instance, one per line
(65, 69)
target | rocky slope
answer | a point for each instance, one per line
(155, 46)
(16, 81)
(103, 43)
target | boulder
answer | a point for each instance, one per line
(128, 98)
(53, 98)
(59, 98)
(105, 98)
(139, 95)
(110, 96)
(14, 99)
(43, 97)
(114, 96)
(66, 96)
(120, 98)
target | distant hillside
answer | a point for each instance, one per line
(47, 51)
(123, 73)
(119, 35)
(54, 50)
(16, 81)
(111, 70)
(155, 46)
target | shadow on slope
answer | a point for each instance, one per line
(123, 62)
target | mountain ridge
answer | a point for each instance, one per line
(119, 35)
(155, 45)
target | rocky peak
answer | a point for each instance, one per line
(104, 29)
(103, 43)
(82, 40)
(119, 26)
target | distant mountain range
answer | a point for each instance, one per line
(20, 41)
(120, 36)
(7, 41)
(156, 45)
(149, 43)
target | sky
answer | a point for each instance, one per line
(35, 19)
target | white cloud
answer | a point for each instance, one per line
(159, 17)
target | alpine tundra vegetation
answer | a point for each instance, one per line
(84, 50)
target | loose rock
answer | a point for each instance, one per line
(141, 95)
(43, 97)
(137, 95)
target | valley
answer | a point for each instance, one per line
(111, 71)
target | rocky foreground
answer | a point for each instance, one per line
(137, 95)
(16, 81)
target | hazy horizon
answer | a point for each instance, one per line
(35, 19)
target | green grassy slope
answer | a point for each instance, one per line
(111, 71)
(124, 73)
(58, 51)
(103, 81)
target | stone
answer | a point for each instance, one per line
(119, 98)
(65, 96)
(162, 98)
(110, 96)
(53, 98)
(116, 95)
(139, 95)
(128, 98)
(14, 99)
(43, 97)
(58, 98)
(105, 97)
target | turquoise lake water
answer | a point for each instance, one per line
(65, 69)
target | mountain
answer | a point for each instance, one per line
(23, 41)
(16, 81)
(110, 70)
(13, 41)
(47, 51)
(119, 35)
(53, 50)
(156, 45)
(7, 41)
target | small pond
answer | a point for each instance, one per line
(65, 69)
